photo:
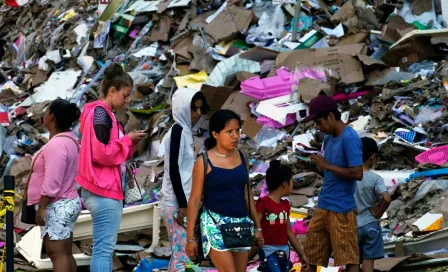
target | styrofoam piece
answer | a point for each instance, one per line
(394, 177)
(134, 218)
(278, 108)
(30, 247)
(429, 222)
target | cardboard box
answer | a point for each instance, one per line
(259, 54)
(340, 59)
(238, 103)
(251, 127)
(408, 53)
(229, 23)
(216, 96)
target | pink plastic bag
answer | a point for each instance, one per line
(266, 121)
(267, 88)
(299, 227)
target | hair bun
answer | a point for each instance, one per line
(274, 164)
(74, 112)
(113, 70)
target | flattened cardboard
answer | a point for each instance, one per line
(251, 127)
(182, 48)
(241, 76)
(298, 200)
(259, 54)
(406, 54)
(161, 30)
(216, 96)
(394, 27)
(434, 34)
(359, 37)
(309, 88)
(339, 58)
(346, 12)
(228, 23)
(387, 264)
(238, 103)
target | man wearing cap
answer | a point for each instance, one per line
(333, 228)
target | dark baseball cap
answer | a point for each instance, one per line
(320, 104)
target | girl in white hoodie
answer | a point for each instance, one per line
(179, 157)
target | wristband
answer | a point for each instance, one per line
(258, 229)
(191, 241)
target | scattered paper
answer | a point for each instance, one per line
(179, 3)
(337, 32)
(191, 80)
(212, 17)
(150, 51)
(144, 6)
(303, 139)
(60, 84)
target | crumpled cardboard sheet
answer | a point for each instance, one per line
(341, 59)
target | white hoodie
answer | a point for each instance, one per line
(181, 108)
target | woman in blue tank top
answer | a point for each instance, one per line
(226, 195)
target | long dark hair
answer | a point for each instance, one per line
(218, 122)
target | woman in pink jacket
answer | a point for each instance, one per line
(52, 186)
(104, 150)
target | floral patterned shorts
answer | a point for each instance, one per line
(60, 219)
(211, 233)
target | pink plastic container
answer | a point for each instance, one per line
(267, 88)
(438, 156)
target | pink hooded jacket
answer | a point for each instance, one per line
(99, 165)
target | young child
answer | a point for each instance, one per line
(371, 208)
(274, 216)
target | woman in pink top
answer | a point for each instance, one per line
(52, 185)
(104, 150)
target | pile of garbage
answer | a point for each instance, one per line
(385, 62)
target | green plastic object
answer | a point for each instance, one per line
(189, 267)
(151, 110)
(107, 14)
(419, 25)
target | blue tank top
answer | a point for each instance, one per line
(225, 190)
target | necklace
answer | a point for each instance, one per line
(221, 155)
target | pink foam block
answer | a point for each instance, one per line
(267, 88)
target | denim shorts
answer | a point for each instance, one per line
(370, 239)
(277, 261)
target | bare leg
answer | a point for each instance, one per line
(367, 265)
(60, 253)
(223, 261)
(352, 267)
(240, 259)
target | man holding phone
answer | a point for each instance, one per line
(333, 228)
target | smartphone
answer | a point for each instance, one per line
(305, 159)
